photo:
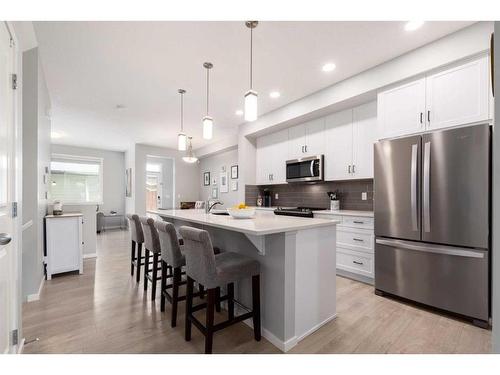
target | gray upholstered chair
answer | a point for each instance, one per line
(152, 245)
(137, 238)
(214, 271)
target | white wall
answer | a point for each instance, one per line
(186, 176)
(130, 163)
(214, 164)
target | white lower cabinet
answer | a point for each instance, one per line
(355, 245)
(64, 243)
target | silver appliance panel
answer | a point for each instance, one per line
(305, 169)
(449, 278)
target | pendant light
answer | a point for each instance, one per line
(190, 158)
(208, 122)
(182, 138)
(251, 95)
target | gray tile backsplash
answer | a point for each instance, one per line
(314, 194)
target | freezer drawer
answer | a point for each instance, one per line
(449, 278)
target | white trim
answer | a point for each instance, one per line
(316, 327)
(90, 255)
(27, 225)
(36, 296)
(20, 347)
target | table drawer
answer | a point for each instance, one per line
(362, 240)
(355, 261)
(358, 222)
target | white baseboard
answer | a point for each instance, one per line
(316, 327)
(20, 347)
(91, 255)
(36, 296)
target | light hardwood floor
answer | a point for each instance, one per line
(105, 311)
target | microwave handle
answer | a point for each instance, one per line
(312, 168)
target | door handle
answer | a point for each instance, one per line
(305, 147)
(430, 248)
(5, 239)
(421, 117)
(429, 116)
(353, 168)
(302, 149)
(349, 169)
(413, 187)
(427, 186)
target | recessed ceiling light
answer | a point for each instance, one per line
(328, 67)
(239, 112)
(120, 106)
(56, 135)
(274, 94)
(413, 25)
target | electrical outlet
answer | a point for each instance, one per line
(276, 196)
(364, 196)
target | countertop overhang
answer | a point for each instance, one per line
(263, 223)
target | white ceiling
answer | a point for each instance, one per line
(91, 67)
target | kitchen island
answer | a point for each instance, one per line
(297, 257)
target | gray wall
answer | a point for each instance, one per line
(496, 207)
(214, 164)
(36, 158)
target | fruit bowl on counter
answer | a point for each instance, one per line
(241, 211)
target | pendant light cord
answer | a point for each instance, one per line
(251, 57)
(208, 84)
(182, 112)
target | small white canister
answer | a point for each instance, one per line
(334, 205)
(58, 208)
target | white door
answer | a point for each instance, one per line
(278, 156)
(296, 141)
(459, 95)
(338, 139)
(401, 110)
(364, 130)
(315, 137)
(8, 258)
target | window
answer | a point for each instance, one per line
(76, 179)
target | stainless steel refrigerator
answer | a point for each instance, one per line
(432, 220)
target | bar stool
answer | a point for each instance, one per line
(151, 244)
(137, 237)
(214, 271)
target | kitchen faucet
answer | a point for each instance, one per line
(209, 206)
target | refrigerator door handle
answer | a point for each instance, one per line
(427, 186)
(413, 188)
(428, 248)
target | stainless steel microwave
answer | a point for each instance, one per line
(305, 169)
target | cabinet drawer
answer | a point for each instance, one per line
(328, 217)
(358, 222)
(356, 240)
(355, 261)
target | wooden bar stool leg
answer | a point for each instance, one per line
(256, 306)
(175, 295)
(154, 276)
(217, 299)
(209, 327)
(230, 301)
(132, 258)
(146, 269)
(139, 261)
(163, 287)
(201, 289)
(189, 306)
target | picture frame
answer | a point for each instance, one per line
(214, 181)
(234, 185)
(128, 185)
(215, 193)
(234, 172)
(206, 179)
(224, 186)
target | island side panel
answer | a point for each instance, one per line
(315, 277)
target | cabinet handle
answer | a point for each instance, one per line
(302, 149)
(421, 117)
(349, 169)
(358, 222)
(353, 168)
(358, 239)
(355, 262)
(272, 177)
(305, 147)
(428, 116)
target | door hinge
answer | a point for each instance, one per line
(15, 337)
(14, 209)
(14, 81)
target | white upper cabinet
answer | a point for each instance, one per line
(271, 157)
(364, 135)
(350, 135)
(458, 95)
(402, 109)
(338, 155)
(455, 96)
(306, 139)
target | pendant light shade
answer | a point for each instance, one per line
(190, 157)
(181, 137)
(208, 122)
(251, 95)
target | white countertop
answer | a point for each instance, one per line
(328, 212)
(261, 224)
(67, 214)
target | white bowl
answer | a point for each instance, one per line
(243, 213)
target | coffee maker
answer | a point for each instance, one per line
(267, 198)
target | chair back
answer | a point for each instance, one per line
(200, 258)
(151, 239)
(136, 232)
(169, 243)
